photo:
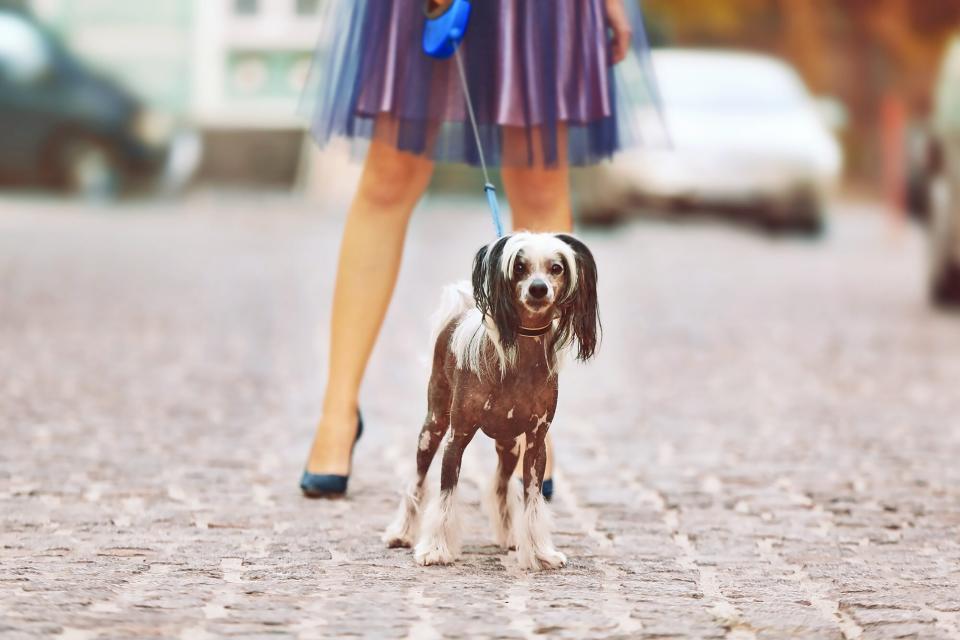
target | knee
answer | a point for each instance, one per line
(538, 195)
(393, 178)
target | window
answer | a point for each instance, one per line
(246, 7)
(308, 7)
(24, 56)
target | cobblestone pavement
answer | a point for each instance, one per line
(766, 446)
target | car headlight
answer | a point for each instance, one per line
(153, 128)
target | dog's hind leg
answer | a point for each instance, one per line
(535, 548)
(440, 537)
(503, 500)
(402, 532)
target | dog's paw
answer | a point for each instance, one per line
(504, 540)
(427, 554)
(552, 559)
(399, 535)
(431, 551)
(394, 540)
(542, 560)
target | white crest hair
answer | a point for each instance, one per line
(469, 340)
(471, 333)
(454, 300)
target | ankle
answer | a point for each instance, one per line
(339, 421)
(340, 410)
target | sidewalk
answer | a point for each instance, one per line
(765, 447)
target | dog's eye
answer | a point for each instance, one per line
(518, 268)
(556, 269)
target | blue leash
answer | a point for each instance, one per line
(441, 37)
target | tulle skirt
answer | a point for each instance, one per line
(539, 75)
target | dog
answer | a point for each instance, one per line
(497, 349)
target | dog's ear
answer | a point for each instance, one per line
(479, 279)
(493, 291)
(579, 313)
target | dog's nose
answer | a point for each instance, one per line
(538, 289)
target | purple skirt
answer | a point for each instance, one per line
(538, 72)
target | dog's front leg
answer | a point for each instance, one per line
(440, 538)
(535, 548)
(402, 532)
(503, 501)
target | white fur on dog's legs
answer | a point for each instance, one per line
(402, 532)
(502, 508)
(535, 550)
(440, 541)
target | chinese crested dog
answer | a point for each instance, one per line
(497, 351)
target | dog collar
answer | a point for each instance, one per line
(534, 332)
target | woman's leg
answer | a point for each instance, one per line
(540, 201)
(372, 246)
(539, 198)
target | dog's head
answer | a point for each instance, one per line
(530, 279)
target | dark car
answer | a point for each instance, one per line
(63, 124)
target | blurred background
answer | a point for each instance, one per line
(765, 445)
(777, 108)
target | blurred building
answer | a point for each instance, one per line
(232, 68)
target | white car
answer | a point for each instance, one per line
(745, 133)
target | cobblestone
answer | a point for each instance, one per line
(765, 447)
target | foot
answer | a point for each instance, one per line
(504, 539)
(543, 559)
(432, 551)
(402, 532)
(333, 444)
(397, 540)
(440, 541)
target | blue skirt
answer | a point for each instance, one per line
(538, 71)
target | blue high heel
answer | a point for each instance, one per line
(546, 488)
(328, 485)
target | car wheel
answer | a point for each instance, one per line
(808, 217)
(944, 241)
(803, 216)
(89, 169)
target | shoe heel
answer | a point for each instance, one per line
(329, 485)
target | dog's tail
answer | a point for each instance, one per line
(455, 299)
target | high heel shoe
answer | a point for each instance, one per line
(546, 488)
(328, 485)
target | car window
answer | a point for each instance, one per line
(722, 82)
(947, 114)
(24, 56)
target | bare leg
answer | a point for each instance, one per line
(535, 548)
(403, 531)
(540, 202)
(440, 539)
(504, 498)
(370, 252)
